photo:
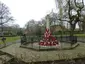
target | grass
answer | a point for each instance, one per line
(83, 35)
(80, 35)
(10, 39)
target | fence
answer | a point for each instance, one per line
(67, 39)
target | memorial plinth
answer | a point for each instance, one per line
(48, 39)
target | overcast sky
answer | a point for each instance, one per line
(24, 10)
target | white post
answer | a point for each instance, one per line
(47, 22)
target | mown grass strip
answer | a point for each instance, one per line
(9, 39)
(79, 35)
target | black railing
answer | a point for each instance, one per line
(66, 39)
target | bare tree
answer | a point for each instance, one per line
(72, 14)
(31, 27)
(5, 15)
(14, 29)
(74, 19)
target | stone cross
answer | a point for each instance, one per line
(47, 22)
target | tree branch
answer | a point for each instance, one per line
(7, 21)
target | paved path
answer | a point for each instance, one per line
(28, 55)
(4, 57)
(18, 52)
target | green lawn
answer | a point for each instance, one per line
(79, 34)
(10, 39)
(83, 35)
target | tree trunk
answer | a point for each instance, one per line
(72, 33)
(83, 27)
(72, 29)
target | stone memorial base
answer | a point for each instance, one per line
(37, 47)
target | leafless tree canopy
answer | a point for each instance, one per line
(5, 15)
(71, 12)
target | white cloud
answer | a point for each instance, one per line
(24, 10)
